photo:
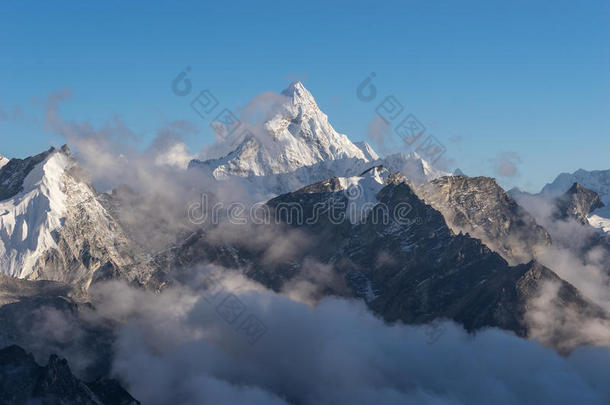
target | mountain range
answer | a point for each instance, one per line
(414, 243)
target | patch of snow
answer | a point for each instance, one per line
(600, 219)
(3, 161)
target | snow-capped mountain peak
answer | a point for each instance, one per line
(595, 180)
(29, 217)
(297, 146)
(300, 96)
(297, 136)
(52, 225)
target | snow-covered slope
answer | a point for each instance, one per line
(299, 147)
(53, 227)
(3, 161)
(595, 180)
(368, 151)
(600, 219)
(298, 135)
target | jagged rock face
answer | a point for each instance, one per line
(401, 258)
(417, 270)
(577, 203)
(53, 227)
(480, 207)
(23, 381)
(597, 181)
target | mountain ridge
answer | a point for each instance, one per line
(53, 227)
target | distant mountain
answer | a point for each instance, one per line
(595, 180)
(23, 381)
(577, 203)
(298, 146)
(53, 227)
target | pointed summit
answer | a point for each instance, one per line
(296, 137)
(300, 96)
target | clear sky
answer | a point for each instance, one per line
(527, 81)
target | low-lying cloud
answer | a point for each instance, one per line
(174, 348)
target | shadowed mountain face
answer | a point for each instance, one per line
(415, 269)
(14, 172)
(480, 207)
(23, 381)
(401, 258)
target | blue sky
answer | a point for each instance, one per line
(487, 78)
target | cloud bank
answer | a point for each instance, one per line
(174, 348)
